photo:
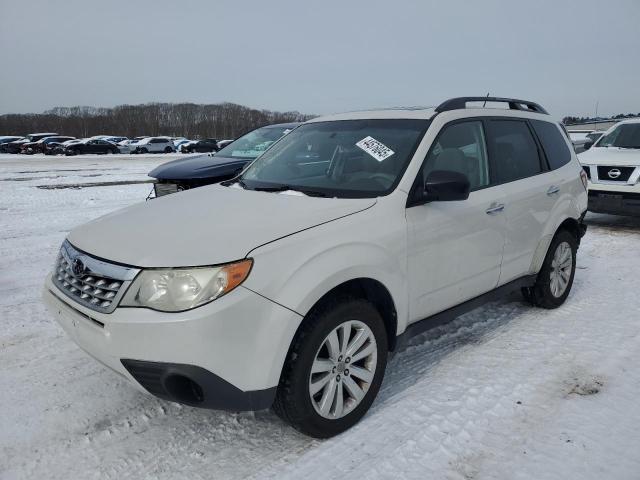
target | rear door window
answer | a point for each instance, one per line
(554, 145)
(513, 150)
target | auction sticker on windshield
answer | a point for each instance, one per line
(376, 149)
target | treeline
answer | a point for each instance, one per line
(221, 121)
(570, 120)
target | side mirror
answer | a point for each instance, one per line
(587, 145)
(446, 186)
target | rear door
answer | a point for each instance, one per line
(530, 193)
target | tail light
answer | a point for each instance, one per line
(583, 177)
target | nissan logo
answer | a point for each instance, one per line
(614, 173)
(77, 267)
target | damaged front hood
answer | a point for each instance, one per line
(205, 226)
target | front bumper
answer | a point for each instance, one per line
(224, 355)
(614, 202)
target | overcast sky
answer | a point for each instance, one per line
(320, 56)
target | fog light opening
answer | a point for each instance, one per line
(183, 389)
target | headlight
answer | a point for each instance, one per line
(178, 289)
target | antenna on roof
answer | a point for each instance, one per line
(485, 102)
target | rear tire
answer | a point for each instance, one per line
(168, 150)
(555, 278)
(345, 396)
(144, 150)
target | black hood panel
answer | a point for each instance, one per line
(200, 167)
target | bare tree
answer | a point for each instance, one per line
(223, 120)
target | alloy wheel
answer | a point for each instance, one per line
(561, 267)
(343, 368)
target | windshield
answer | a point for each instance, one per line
(253, 143)
(624, 136)
(348, 158)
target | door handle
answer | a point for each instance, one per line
(495, 208)
(553, 190)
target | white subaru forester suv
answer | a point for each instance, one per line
(288, 286)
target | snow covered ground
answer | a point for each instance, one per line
(505, 392)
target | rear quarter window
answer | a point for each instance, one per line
(554, 145)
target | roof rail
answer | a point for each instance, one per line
(514, 104)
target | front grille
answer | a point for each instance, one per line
(94, 283)
(615, 174)
(587, 170)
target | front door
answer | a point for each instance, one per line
(455, 248)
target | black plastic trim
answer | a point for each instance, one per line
(614, 202)
(452, 313)
(460, 103)
(582, 227)
(210, 391)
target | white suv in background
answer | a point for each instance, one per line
(613, 168)
(289, 285)
(154, 145)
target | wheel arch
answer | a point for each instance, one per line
(570, 224)
(374, 292)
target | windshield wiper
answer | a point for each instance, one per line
(284, 188)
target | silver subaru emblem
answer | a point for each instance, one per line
(78, 267)
(614, 173)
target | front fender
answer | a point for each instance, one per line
(298, 270)
(324, 271)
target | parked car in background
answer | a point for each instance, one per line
(200, 146)
(34, 137)
(178, 142)
(41, 145)
(127, 146)
(154, 145)
(223, 143)
(583, 139)
(290, 286)
(115, 139)
(8, 139)
(579, 139)
(51, 144)
(612, 166)
(60, 148)
(14, 146)
(184, 145)
(187, 173)
(95, 145)
(592, 138)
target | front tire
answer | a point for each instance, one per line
(334, 368)
(555, 279)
